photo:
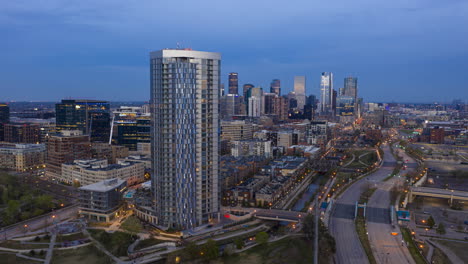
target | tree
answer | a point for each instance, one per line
(308, 226)
(210, 249)
(261, 238)
(239, 243)
(430, 222)
(132, 224)
(192, 250)
(441, 229)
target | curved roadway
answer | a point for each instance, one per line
(348, 246)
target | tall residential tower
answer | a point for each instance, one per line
(184, 109)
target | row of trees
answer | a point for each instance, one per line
(19, 201)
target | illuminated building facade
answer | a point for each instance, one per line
(92, 117)
(185, 126)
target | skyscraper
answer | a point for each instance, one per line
(233, 83)
(275, 87)
(4, 113)
(350, 87)
(326, 93)
(245, 89)
(91, 117)
(4, 118)
(299, 89)
(184, 103)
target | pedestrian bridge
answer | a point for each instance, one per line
(437, 193)
(269, 214)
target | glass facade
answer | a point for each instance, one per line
(326, 93)
(233, 83)
(90, 116)
(185, 136)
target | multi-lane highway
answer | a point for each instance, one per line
(348, 247)
(387, 248)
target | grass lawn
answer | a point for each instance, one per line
(88, 254)
(458, 248)
(362, 233)
(12, 258)
(439, 257)
(287, 250)
(414, 251)
(17, 245)
(72, 237)
(117, 243)
(148, 242)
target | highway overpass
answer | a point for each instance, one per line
(437, 193)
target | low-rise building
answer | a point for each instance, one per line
(253, 147)
(22, 157)
(85, 172)
(102, 201)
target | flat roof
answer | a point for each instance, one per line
(103, 186)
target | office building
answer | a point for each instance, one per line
(350, 87)
(326, 93)
(310, 106)
(66, 147)
(275, 87)
(91, 117)
(300, 91)
(233, 83)
(21, 157)
(130, 132)
(236, 130)
(231, 105)
(345, 106)
(4, 113)
(102, 201)
(185, 108)
(255, 102)
(22, 133)
(245, 89)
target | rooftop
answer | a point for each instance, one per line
(103, 186)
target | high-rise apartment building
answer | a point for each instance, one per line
(91, 117)
(300, 89)
(326, 93)
(233, 83)
(281, 107)
(268, 105)
(184, 102)
(275, 87)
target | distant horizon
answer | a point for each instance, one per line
(143, 101)
(101, 48)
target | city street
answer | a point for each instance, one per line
(348, 246)
(38, 222)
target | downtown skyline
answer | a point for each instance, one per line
(80, 50)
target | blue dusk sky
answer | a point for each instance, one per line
(400, 50)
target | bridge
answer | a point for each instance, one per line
(437, 193)
(268, 214)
